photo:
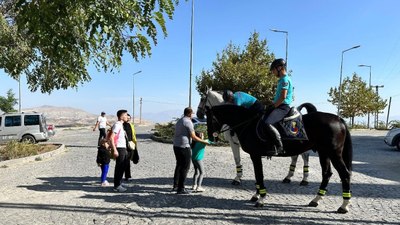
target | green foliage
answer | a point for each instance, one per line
(394, 124)
(53, 42)
(7, 103)
(242, 70)
(165, 132)
(356, 98)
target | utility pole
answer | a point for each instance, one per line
(387, 118)
(140, 116)
(376, 113)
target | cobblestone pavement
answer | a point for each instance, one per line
(64, 189)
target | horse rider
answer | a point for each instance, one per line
(243, 99)
(281, 104)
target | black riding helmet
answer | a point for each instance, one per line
(227, 95)
(276, 63)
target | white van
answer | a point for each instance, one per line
(25, 126)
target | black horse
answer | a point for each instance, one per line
(327, 134)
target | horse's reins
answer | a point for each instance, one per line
(229, 127)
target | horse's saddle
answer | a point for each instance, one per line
(290, 127)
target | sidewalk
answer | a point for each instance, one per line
(64, 189)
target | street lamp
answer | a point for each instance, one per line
(340, 81)
(287, 42)
(19, 93)
(191, 55)
(133, 95)
(362, 65)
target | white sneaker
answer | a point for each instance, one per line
(194, 187)
(200, 189)
(105, 184)
(120, 189)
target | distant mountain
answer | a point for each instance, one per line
(163, 117)
(65, 116)
(68, 116)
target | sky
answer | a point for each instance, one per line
(318, 32)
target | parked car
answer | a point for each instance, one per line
(30, 127)
(393, 138)
(196, 121)
(51, 130)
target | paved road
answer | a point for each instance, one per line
(65, 189)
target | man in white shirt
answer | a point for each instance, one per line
(101, 124)
(118, 145)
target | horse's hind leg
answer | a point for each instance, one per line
(306, 158)
(345, 178)
(326, 175)
(261, 192)
(292, 168)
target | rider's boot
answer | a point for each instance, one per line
(276, 139)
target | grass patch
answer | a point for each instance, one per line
(15, 150)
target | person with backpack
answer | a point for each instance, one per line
(118, 144)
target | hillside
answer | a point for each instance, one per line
(66, 116)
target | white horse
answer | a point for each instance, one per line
(214, 98)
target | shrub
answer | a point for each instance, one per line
(15, 149)
(166, 132)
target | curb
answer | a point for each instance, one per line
(33, 158)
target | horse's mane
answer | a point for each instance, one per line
(239, 111)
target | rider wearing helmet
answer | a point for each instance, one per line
(282, 100)
(243, 99)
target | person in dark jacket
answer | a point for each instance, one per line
(131, 136)
(103, 160)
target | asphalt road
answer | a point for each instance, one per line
(64, 189)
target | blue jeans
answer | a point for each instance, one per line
(277, 114)
(104, 171)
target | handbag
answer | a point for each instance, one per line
(130, 145)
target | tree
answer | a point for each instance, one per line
(7, 103)
(357, 99)
(242, 70)
(53, 42)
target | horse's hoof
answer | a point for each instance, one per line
(313, 204)
(286, 181)
(235, 182)
(342, 211)
(259, 205)
(303, 183)
(254, 199)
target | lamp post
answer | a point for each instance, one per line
(287, 42)
(133, 95)
(340, 81)
(19, 93)
(362, 65)
(191, 55)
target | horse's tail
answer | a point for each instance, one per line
(309, 107)
(347, 148)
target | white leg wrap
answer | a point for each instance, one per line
(317, 198)
(346, 203)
